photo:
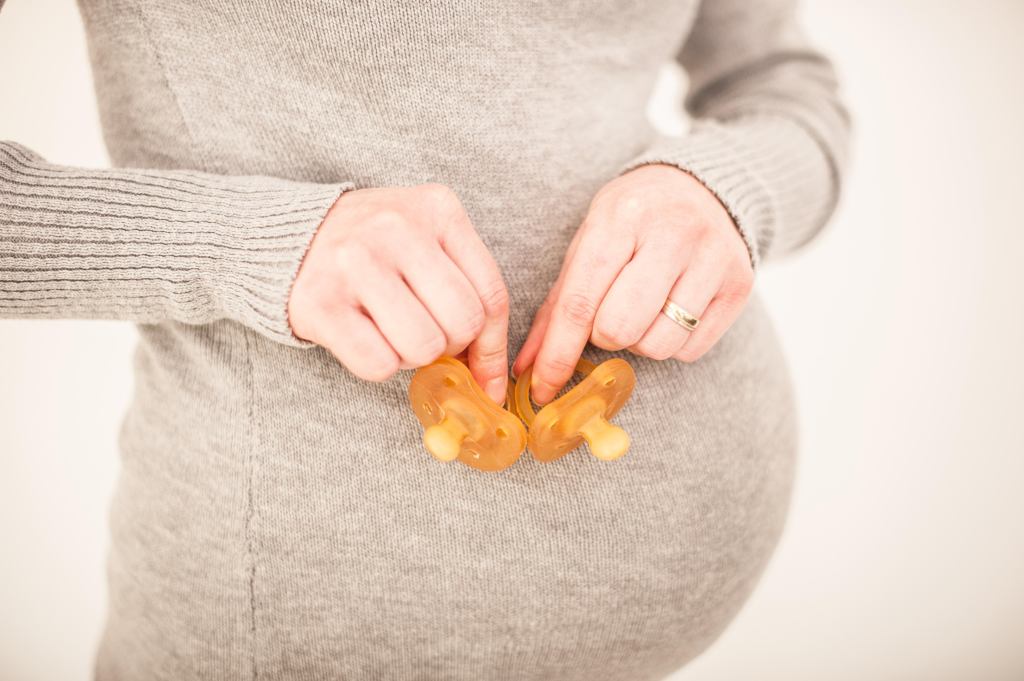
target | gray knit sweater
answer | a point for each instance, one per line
(278, 518)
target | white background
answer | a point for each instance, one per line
(904, 555)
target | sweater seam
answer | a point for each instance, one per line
(165, 77)
(251, 514)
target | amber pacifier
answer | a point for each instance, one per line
(461, 421)
(582, 413)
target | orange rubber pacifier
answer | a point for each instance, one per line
(583, 413)
(461, 421)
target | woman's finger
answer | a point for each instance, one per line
(600, 256)
(637, 295)
(401, 317)
(358, 344)
(722, 312)
(446, 293)
(693, 292)
(528, 353)
(488, 352)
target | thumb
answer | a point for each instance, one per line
(487, 357)
(535, 338)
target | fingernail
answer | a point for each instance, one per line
(541, 391)
(495, 389)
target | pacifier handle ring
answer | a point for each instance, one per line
(523, 401)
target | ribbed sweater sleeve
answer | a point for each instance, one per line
(151, 246)
(769, 134)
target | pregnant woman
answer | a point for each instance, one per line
(312, 197)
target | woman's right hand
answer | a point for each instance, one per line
(397, 277)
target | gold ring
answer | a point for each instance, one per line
(680, 316)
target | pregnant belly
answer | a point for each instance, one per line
(317, 539)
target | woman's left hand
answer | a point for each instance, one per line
(652, 234)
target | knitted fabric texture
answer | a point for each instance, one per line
(276, 517)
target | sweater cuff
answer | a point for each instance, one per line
(152, 245)
(277, 230)
(711, 154)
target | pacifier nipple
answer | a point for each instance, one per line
(607, 441)
(444, 440)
